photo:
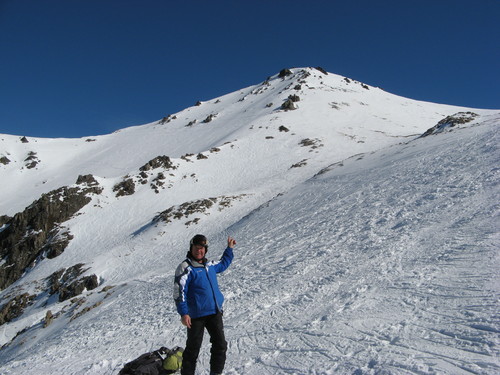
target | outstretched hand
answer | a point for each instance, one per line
(231, 242)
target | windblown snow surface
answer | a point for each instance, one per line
(377, 254)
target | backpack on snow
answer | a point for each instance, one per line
(159, 362)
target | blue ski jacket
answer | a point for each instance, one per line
(196, 291)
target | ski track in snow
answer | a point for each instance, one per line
(384, 278)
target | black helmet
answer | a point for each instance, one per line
(199, 239)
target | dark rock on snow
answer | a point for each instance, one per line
(35, 233)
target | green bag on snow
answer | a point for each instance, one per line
(159, 362)
(173, 361)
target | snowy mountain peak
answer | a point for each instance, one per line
(326, 182)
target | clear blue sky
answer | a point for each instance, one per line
(75, 68)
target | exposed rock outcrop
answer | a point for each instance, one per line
(128, 185)
(449, 122)
(209, 119)
(288, 105)
(284, 73)
(167, 119)
(31, 160)
(68, 283)
(4, 219)
(301, 163)
(15, 307)
(125, 187)
(313, 143)
(201, 206)
(321, 70)
(36, 233)
(159, 162)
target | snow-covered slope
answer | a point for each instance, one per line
(341, 115)
(385, 262)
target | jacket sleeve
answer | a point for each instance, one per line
(225, 261)
(181, 285)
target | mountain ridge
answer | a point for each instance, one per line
(107, 155)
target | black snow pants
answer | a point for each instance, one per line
(215, 328)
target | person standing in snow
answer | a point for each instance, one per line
(199, 303)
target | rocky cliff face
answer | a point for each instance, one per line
(37, 232)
